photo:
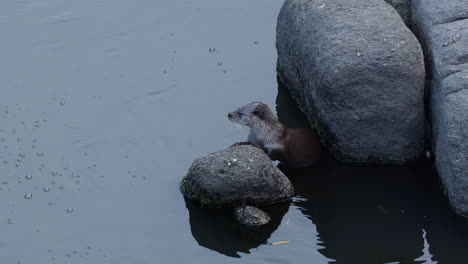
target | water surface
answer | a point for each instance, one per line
(104, 106)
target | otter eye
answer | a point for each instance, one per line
(257, 113)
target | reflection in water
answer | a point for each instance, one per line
(359, 216)
(216, 229)
(380, 214)
(375, 213)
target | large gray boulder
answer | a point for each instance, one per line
(442, 27)
(403, 7)
(358, 73)
(237, 175)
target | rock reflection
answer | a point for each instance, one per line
(216, 229)
(362, 214)
(375, 213)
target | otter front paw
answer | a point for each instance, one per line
(241, 144)
(253, 145)
(262, 148)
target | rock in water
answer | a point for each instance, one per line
(442, 27)
(251, 216)
(403, 8)
(357, 72)
(240, 174)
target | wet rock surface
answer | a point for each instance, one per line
(237, 175)
(250, 216)
(403, 7)
(357, 72)
(442, 27)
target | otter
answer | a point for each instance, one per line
(295, 147)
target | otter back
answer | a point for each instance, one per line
(302, 147)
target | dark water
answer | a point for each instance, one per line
(106, 103)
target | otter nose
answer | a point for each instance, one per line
(229, 115)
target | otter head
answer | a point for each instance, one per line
(252, 115)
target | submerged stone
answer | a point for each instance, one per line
(250, 216)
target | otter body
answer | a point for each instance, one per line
(299, 147)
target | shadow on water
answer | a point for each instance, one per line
(287, 109)
(379, 214)
(216, 229)
(362, 213)
(375, 213)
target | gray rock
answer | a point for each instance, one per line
(403, 7)
(250, 216)
(358, 73)
(442, 27)
(240, 174)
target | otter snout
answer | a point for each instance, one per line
(234, 116)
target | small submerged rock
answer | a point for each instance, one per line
(250, 216)
(239, 174)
